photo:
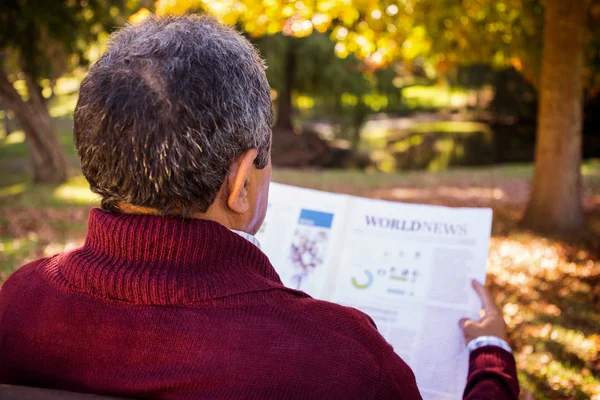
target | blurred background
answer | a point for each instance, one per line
(491, 103)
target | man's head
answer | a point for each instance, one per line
(175, 118)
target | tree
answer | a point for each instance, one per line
(509, 32)
(315, 71)
(555, 203)
(448, 33)
(41, 40)
(284, 102)
(7, 123)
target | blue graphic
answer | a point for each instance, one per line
(315, 218)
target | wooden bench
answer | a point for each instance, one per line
(10, 392)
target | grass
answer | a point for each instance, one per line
(549, 289)
(450, 127)
(361, 182)
(430, 97)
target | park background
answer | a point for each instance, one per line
(452, 102)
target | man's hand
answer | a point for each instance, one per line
(492, 323)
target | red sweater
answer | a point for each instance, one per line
(164, 307)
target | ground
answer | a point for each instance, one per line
(548, 289)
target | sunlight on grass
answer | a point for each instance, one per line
(63, 106)
(14, 252)
(67, 85)
(75, 194)
(451, 127)
(57, 247)
(13, 189)
(76, 191)
(14, 138)
(9, 246)
(361, 183)
(591, 169)
(433, 97)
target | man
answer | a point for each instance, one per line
(169, 297)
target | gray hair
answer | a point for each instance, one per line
(166, 109)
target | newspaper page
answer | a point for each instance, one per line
(407, 266)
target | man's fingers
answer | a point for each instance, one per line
(486, 297)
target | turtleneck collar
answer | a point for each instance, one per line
(162, 260)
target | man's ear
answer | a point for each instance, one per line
(237, 182)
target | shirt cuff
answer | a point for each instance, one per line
(488, 341)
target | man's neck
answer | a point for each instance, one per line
(209, 215)
(127, 208)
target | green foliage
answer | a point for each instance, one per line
(494, 32)
(439, 34)
(47, 38)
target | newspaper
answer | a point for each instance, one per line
(407, 266)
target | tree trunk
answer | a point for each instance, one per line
(7, 124)
(47, 156)
(285, 108)
(358, 120)
(555, 203)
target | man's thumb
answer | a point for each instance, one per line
(463, 322)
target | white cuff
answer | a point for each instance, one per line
(488, 341)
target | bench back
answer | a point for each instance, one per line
(10, 392)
